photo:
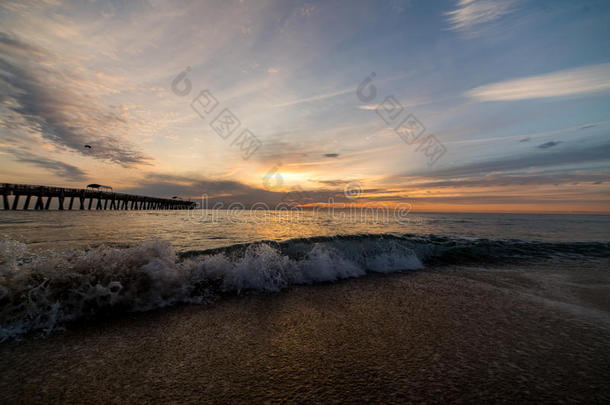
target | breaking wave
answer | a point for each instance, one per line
(40, 291)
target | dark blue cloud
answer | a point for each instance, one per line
(547, 145)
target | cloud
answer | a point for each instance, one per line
(61, 169)
(307, 10)
(62, 103)
(368, 107)
(583, 155)
(332, 183)
(502, 200)
(192, 186)
(399, 6)
(547, 145)
(315, 98)
(578, 81)
(551, 177)
(473, 14)
(226, 192)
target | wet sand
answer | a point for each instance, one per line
(539, 333)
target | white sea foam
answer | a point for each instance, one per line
(42, 291)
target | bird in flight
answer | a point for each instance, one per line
(88, 146)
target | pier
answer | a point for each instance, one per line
(42, 196)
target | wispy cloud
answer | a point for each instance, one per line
(63, 104)
(399, 6)
(583, 156)
(495, 180)
(61, 169)
(368, 107)
(317, 97)
(473, 14)
(582, 80)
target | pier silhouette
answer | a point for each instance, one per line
(104, 199)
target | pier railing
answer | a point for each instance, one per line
(104, 200)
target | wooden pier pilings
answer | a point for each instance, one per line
(85, 198)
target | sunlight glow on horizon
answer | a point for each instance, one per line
(517, 94)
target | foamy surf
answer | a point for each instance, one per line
(41, 291)
(44, 290)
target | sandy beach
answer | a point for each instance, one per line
(460, 334)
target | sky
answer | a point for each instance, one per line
(453, 106)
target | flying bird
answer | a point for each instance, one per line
(88, 146)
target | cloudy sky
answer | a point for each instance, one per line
(457, 105)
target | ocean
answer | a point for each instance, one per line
(207, 229)
(57, 267)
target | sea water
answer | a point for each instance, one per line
(61, 266)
